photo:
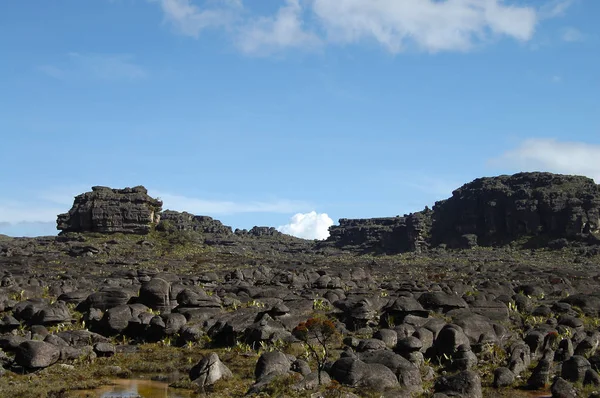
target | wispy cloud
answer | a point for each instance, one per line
(41, 207)
(428, 25)
(571, 35)
(554, 8)
(52, 71)
(563, 157)
(18, 212)
(189, 19)
(216, 207)
(284, 30)
(96, 66)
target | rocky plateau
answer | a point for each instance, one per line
(493, 292)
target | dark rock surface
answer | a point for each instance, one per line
(383, 235)
(106, 210)
(505, 208)
(473, 320)
(184, 221)
(550, 209)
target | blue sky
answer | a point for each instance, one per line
(253, 112)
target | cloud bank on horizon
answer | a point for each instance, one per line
(427, 25)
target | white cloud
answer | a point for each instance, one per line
(555, 156)
(571, 35)
(190, 20)
(556, 79)
(97, 66)
(429, 25)
(311, 225)
(284, 30)
(215, 207)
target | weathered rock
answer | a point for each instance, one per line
(540, 376)
(500, 209)
(466, 384)
(357, 373)
(37, 354)
(106, 210)
(407, 373)
(563, 389)
(52, 314)
(272, 363)
(209, 370)
(104, 349)
(441, 301)
(117, 319)
(156, 294)
(449, 339)
(176, 221)
(464, 358)
(574, 369)
(382, 235)
(104, 299)
(503, 377)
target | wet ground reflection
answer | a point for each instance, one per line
(125, 388)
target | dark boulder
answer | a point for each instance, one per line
(574, 369)
(272, 363)
(37, 354)
(156, 295)
(356, 373)
(104, 349)
(209, 370)
(466, 384)
(503, 377)
(106, 298)
(562, 389)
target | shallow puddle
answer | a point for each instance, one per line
(133, 388)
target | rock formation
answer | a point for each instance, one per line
(383, 235)
(486, 211)
(501, 209)
(258, 232)
(184, 221)
(107, 210)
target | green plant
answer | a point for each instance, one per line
(390, 320)
(18, 296)
(255, 303)
(318, 334)
(321, 305)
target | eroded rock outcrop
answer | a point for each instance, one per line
(505, 208)
(486, 211)
(383, 235)
(184, 221)
(107, 210)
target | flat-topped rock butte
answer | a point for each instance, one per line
(491, 292)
